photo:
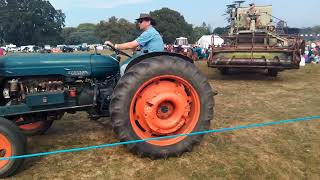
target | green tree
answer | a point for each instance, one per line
(84, 33)
(30, 22)
(221, 30)
(204, 29)
(171, 24)
(116, 30)
(311, 30)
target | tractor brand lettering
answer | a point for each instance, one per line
(78, 73)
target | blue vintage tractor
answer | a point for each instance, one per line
(159, 94)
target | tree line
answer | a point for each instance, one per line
(171, 24)
(30, 22)
(37, 22)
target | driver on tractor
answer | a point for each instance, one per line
(149, 41)
(253, 14)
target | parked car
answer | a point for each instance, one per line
(47, 49)
(29, 49)
(67, 49)
(11, 48)
(36, 49)
(83, 47)
(25, 49)
(4, 48)
(56, 50)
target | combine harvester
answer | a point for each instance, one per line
(256, 40)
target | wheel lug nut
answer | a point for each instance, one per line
(2, 152)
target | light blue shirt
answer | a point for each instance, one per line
(151, 40)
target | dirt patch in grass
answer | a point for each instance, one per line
(288, 151)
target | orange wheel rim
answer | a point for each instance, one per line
(5, 150)
(164, 106)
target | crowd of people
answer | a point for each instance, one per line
(193, 51)
(312, 53)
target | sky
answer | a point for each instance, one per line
(296, 12)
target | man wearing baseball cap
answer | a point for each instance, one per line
(150, 40)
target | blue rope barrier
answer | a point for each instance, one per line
(165, 137)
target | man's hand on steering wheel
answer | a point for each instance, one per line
(114, 48)
(108, 43)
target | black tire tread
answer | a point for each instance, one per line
(121, 125)
(20, 147)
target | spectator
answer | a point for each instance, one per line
(2, 53)
(315, 57)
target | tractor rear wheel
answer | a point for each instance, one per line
(162, 96)
(12, 143)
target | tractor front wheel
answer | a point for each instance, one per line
(162, 96)
(12, 143)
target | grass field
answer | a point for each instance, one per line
(288, 151)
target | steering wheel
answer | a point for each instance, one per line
(117, 51)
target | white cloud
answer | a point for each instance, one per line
(104, 4)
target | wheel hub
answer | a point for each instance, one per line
(163, 107)
(165, 110)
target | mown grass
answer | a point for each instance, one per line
(288, 151)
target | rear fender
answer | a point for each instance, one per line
(143, 57)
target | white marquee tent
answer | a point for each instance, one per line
(207, 40)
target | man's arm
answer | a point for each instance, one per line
(257, 12)
(129, 45)
(125, 46)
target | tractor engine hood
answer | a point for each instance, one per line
(68, 65)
